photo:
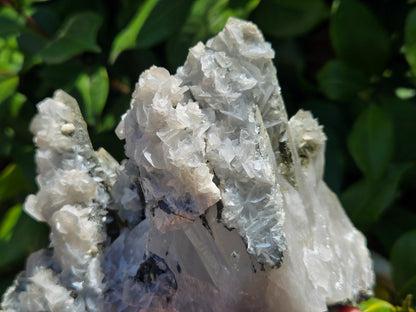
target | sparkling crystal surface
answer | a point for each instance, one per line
(219, 206)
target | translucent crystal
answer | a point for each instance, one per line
(227, 78)
(72, 198)
(330, 263)
(168, 147)
(220, 206)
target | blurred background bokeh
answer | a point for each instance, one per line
(351, 62)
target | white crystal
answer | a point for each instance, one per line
(331, 263)
(223, 78)
(218, 191)
(168, 145)
(72, 198)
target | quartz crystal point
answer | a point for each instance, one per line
(220, 206)
(331, 262)
(238, 147)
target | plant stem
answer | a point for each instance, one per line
(29, 20)
(118, 85)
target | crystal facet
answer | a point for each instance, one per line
(219, 206)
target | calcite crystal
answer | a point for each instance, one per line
(73, 181)
(219, 206)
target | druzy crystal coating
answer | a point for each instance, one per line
(219, 206)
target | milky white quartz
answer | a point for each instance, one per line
(219, 206)
(72, 198)
(168, 145)
(239, 150)
(332, 263)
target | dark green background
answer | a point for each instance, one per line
(352, 63)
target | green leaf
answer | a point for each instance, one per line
(407, 304)
(52, 74)
(152, 23)
(394, 223)
(207, 17)
(366, 201)
(8, 85)
(106, 124)
(128, 65)
(15, 104)
(77, 35)
(12, 182)
(7, 141)
(31, 43)
(410, 39)
(408, 288)
(10, 22)
(403, 262)
(340, 81)
(12, 106)
(288, 18)
(162, 23)
(376, 305)
(358, 37)
(24, 156)
(9, 26)
(196, 28)
(47, 19)
(126, 39)
(402, 114)
(247, 5)
(11, 59)
(404, 93)
(219, 11)
(94, 89)
(9, 222)
(371, 142)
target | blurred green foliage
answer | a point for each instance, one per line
(351, 62)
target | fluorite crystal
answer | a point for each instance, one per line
(219, 206)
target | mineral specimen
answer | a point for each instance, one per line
(220, 205)
(73, 181)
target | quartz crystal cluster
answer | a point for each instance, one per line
(219, 206)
